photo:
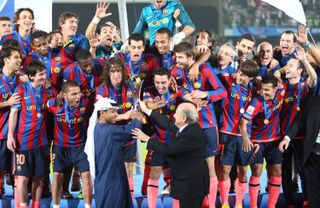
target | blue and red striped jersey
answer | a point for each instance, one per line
(167, 61)
(24, 43)
(76, 43)
(207, 81)
(56, 61)
(233, 106)
(173, 100)
(87, 82)
(69, 123)
(142, 69)
(30, 131)
(294, 97)
(7, 85)
(264, 117)
(122, 95)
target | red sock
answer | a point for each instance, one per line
(166, 175)
(146, 174)
(224, 187)
(274, 191)
(254, 187)
(131, 186)
(35, 204)
(213, 192)
(175, 203)
(240, 188)
(152, 193)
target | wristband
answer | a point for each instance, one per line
(307, 44)
(95, 20)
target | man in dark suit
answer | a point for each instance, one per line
(186, 153)
(309, 118)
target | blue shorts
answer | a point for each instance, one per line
(270, 151)
(32, 163)
(5, 156)
(212, 141)
(157, 159)
(233, 152)
(64, 157)
(130, 152)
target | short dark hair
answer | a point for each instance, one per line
(247, 37)
(106, 72)
(64, 16)
(6, 53)
(290, 32)
(250, 68)
(184, 47)
(82, 54)
(136, 37)
(52, 33)
(164, 30)
(66, 85)
(34, 67)
(5, 18)
(10, 43)
(269, 78)
(38, 34)
(17, 16)
(162, 72)
(102, 26)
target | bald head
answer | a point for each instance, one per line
(186, 113)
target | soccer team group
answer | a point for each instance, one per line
(247, 96)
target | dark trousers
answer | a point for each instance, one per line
(195, 203)
(294, 151)
(312, 171)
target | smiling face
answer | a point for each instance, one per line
(241, 78)
(13, 62)
(161, 83)
(70, 26)
(183, 61)
(108, 116)
(39, 78)
(225, 55)
(25, 20)
(244, 48)
(136, 49)
(292, 69)
(56, 41)
(163, 42)
(265, 54)
(73, 96)
(268, 92)
(286, 44)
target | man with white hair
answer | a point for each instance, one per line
(186, 154)
(104, 149)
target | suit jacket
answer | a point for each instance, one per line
(308, 118)
(186, 156)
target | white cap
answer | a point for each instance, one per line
(105, 104)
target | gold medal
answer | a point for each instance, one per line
(241, 110)
(298, 108)
(56, 70)
(197, 85)
(172, 107)
(39, 115)
(266, 121)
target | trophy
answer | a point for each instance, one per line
(135, 85)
